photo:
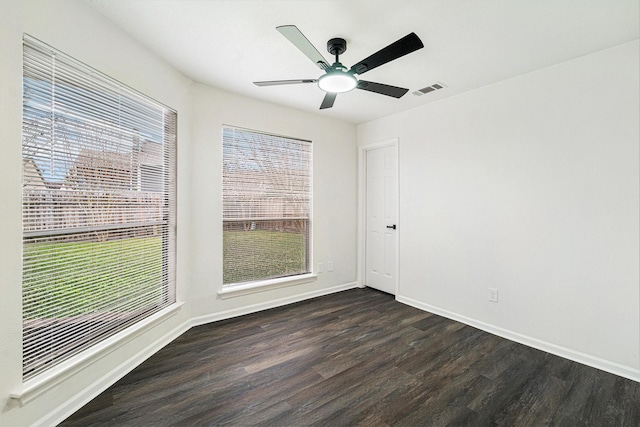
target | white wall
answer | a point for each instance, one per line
(77, 30)
(530, 186)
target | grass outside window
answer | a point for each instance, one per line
(265, 254)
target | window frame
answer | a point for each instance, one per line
(85, 353)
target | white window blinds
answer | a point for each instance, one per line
(99, 172)
(266, 206)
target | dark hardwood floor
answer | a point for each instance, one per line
(358, 358)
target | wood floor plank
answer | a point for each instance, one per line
(358, 358)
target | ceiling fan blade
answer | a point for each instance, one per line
(328, 100)
(407, 44)
(284, 82)
(295, 36)
(383, 89)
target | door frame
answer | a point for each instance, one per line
(362, 208)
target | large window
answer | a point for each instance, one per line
(266, 206)
(98, 206)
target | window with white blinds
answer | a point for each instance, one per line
(266, 198)
(98, 207)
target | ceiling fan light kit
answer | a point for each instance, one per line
(337, 82)
(337, 77)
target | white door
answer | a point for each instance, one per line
(381, 216)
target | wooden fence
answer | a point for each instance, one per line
(58, 209)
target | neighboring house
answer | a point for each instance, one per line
(132, 179)
(32, 176)
(138, 170)
(94, 169)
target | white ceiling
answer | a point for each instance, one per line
(468, 44)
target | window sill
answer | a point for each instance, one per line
(264, 285)
(54, 376)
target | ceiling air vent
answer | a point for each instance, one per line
(428, 89)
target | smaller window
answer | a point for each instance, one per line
(266, 193)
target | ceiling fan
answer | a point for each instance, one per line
(337, 77)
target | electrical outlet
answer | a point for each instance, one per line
(320, 267)
(330, 266)
(493, 295)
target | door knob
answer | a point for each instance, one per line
(392, 226)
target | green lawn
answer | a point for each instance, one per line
(83, 275)
(265, 254)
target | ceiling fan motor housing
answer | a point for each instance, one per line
(337, 46)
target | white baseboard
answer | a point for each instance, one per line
(215, 317)
(100, 385)
(576, 356)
